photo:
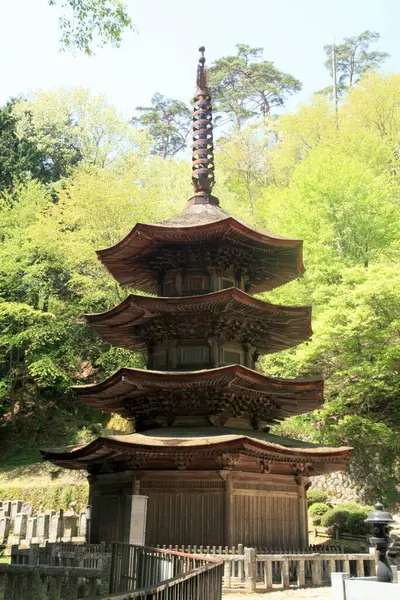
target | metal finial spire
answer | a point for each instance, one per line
(202, 155)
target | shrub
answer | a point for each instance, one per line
(317, 510)
(335, 518)
(348, 517)
(314, 496)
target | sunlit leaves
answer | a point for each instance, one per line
(86, 24)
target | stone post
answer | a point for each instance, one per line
(250, 566)
(338, 585)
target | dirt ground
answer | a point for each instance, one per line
(323, 593)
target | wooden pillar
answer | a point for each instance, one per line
(302, 513)
(179, 284)
(214, 284)
(214, 353)
(229, 510)
(228, 506)
(136, 484)
(248, 358)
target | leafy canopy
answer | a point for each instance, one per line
(353, 58)
(88, 23)
(246, 86)
(168, 122)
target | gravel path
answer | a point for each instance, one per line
(323, 593)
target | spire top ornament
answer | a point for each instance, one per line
(203, 148)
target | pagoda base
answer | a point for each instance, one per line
(221, 508)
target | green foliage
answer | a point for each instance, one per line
(89, 23)
(315, 496)
(317, 510)
(353, 58)
(50, 497)
(20, 158)
(348, 517)
(299, 176)
(245, 86)
(72, 126)
(168, 122)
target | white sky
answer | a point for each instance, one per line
(162, 55)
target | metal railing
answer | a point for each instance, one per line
(154, 573)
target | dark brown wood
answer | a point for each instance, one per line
(201, 450)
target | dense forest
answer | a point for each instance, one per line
(75, 177)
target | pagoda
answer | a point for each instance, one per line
(201, 411)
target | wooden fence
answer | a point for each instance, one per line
(249, 567)
(151, 573)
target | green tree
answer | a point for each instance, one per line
(70, 126)
(88, 23)
(168, 122)
(20, 159)
(353, 58)
(246, 86)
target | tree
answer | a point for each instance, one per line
(70, 126)
(353, 58)
(85, 23)
(245, 86)
(242, 164)
(168, 122)
(20, 158)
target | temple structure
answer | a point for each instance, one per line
(202, 451)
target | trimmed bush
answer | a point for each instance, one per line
(317, 510)
(348, 517)
(314, 496)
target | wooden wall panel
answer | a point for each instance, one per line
(187, 517)
(110, 517)
(265, 521)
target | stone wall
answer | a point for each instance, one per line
(339, 486)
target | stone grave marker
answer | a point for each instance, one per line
(20, 523)
(6, 508)
(43, 526)
(70, 526)
(27, 508)
(56, 526)
(82, 524)
(31, 528)
(5, 523)
(16, 506)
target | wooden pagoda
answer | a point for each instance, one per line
(201, 450)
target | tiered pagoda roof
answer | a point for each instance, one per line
(228, 314)
(210, 448)
(149, 251)
(224, 392)
(202, 401)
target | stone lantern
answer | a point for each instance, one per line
(380, 520)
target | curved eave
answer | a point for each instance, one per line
(115, 325)
(144, 239)
(295, 396)
(104, 447)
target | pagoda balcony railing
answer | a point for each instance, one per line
(153, 573)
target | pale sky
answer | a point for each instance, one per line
(162, 55)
